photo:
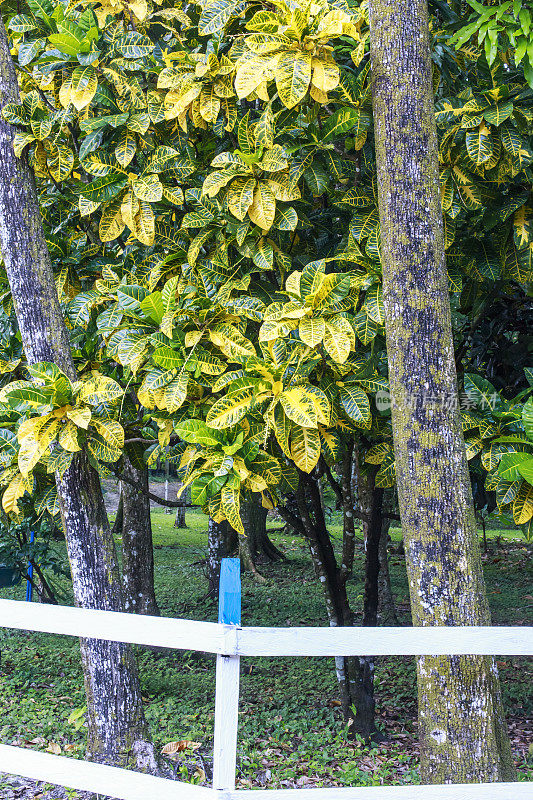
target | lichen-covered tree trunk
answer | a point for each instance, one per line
(462, 727)
(137, 545)
(221, 542)
(117, 731)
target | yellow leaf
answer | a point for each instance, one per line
(305, 448)
(68, 438)
(325, 75)
(15, 490)
(312, 331)
(80, 417)
(263, 209)
(293, 74)
(523, 504)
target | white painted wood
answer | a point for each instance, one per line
(126, 785)
(85, 776)
(385, 641)
(226, 722)
(212, 637)
(456, 791)
(180, 634)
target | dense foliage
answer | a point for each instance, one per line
(207, 181)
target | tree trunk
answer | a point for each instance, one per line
(179, 521)
(386, 607)
(354, 675)
(117, 525)
(221, 542)
(137, 545)
(117, 730)
(462, 727)
(260, 547)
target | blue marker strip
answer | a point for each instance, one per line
(229, 602)
(29, 587)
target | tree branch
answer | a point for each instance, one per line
(154, 497)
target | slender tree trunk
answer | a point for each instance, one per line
(354, 675)
(167, 475)
(462, 727)
(117, 730)
(386, 607)
(348, 507)
(137, 545)
(179, 521)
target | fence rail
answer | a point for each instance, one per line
(229, 641)
(232, 640)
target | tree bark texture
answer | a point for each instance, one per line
(462, 727)
(117, 731)
(137, 545)
(221, 542)
(258, 546)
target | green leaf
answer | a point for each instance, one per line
(365, 328)
(356, 404)
(152, 306)
(205, 487)
(509, 464)
(134, 45)
(345, 120)
(29, 50)
(167, 358)
(527, 418)
(229, 410)
(481, 392)
(525, 469)
(215, 15)
(106, 188)
(374, 304)
(195, 431)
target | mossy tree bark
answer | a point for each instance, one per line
(462, 727)
(137, 544)
(117, 730)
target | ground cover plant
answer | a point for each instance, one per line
(292, 731)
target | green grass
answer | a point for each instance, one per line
(291, 729)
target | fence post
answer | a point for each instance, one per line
(227, 681)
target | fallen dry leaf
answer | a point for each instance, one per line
(178, 747)
(54, 748)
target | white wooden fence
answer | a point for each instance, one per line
(230, 642)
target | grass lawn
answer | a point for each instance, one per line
(291, 729)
